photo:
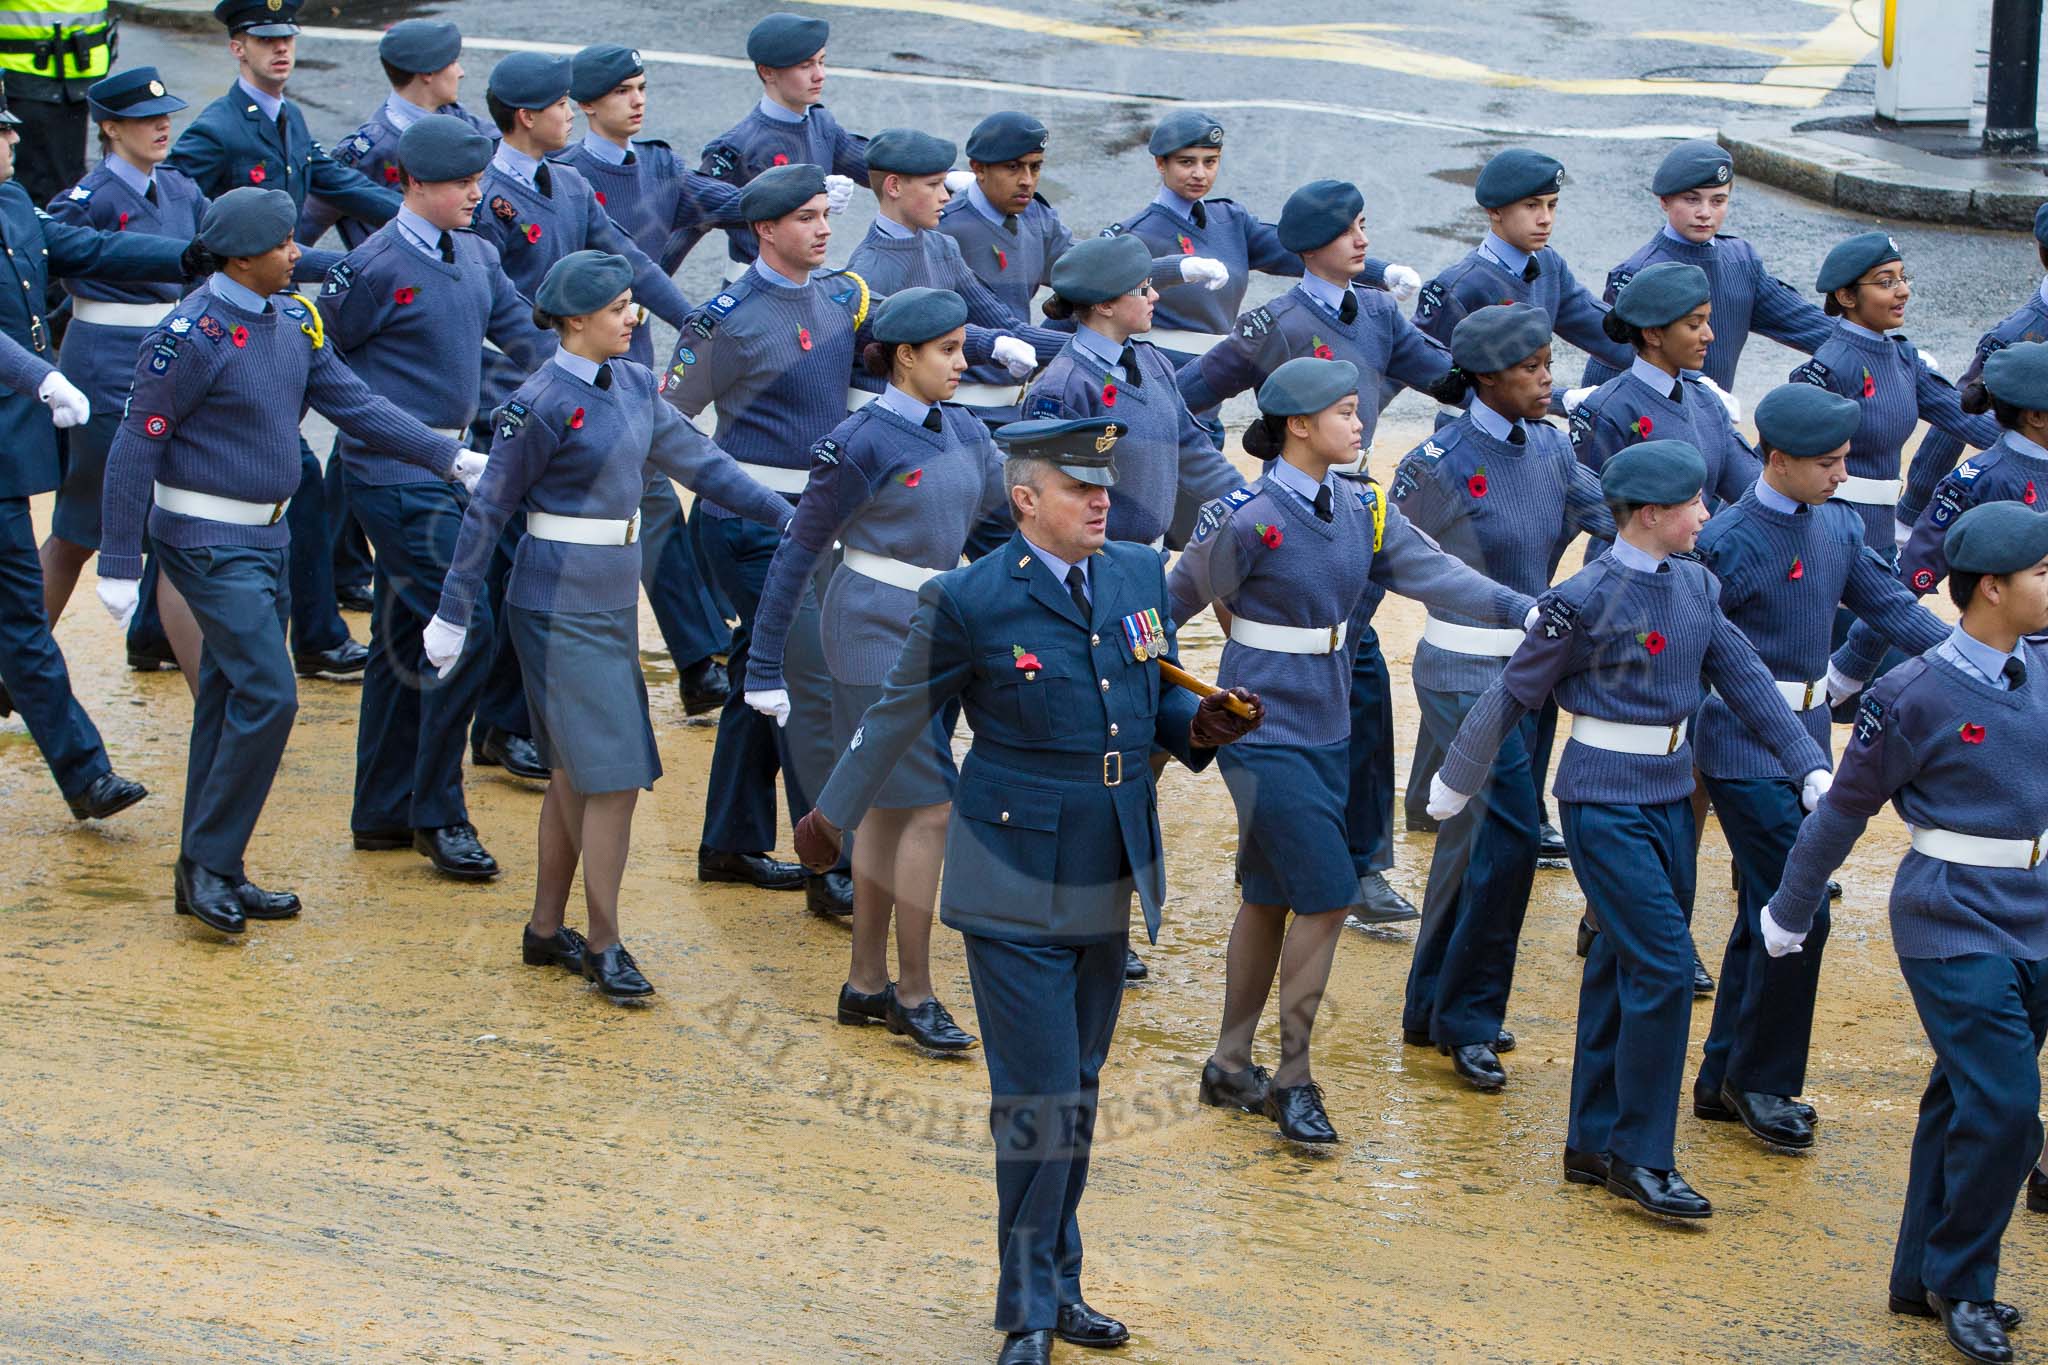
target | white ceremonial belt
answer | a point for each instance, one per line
(1622, 738)
(104, 313)
(1978, 850)
(583, 530)
(856, 399)
(212, 507)
(989, 395)
(1869, 492)
(1187, 343)
(1287, 639)
(1492, 644)
(895, 572)
(775, 478)
(459, 435)
(1800, 696)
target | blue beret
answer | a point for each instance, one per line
(530, 80)
(1005, 137)
(1691, 165)
(1850, 261)
(1080, 446)
(1307, 385)
(1806, 422)
(583, 282)
(1499, 337)
(1101, 268)
(1663, 473)
(780, 190)
(1996, 537)
(264, 18)
(914, 316)
(1662, 294)
(1517, 174)
(420, 46)
(248, 222)
(1186, 128)
(601, 68)
(2018, 374)
(1318, 213)
(443, 147)
(131, 92)
(906, 151)
(2041, 225)
(786, 40)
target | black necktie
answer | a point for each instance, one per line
(1077, 585)
(1010, 223)
(932, 421)
(1530, 272)
(1200, 213)
(630, 158)
(1677, 391)
(543, 181)
(1129, 360)
(1516, 436)
(447, 248)
(149, 191)
(2015, 674)
(284, 136)
(604, 376)
(1347, 311)
(1323, 502)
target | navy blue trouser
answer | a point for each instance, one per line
(1047, 1013)
(684, 609)
(344, 528)
(739, 801)
(1763, 1011)
(33, 667)
(316, 622)
(502, 703)
(1636, 866)
(248, 695)
(409, 739)
(146, 630)
(1980, 1125)
(1369, 805)
(1480, 876)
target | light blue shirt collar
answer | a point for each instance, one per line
(271, 105)
(127, 174)
(981, 205)
(2032, 450)
(1776, 501)
(1099, 346)
(903, 405)
(401, 112)
(604, 149)
(1174, 204)
(418, 232)
(516, 163)
(1513, 257)
(1296, 482)
(1857, 329)
(771, 110)
(1331, 296)
(890, 228)
(1058, 567)
(582, 367)
(1675, 235)
(1493, 424)
(1968, 652)
(1629, 557)
(1651, 375)
(774, 276)
(227, 291)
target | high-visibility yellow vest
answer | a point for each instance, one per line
(49, 45)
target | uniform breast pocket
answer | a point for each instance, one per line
(1022, 686)
(1006, 832)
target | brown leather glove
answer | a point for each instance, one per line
(817, 842)
(1216, 725)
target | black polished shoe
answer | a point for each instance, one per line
(109, 794)
(1972, 1328)
(929, 1025)
(829, 895)
(257, 903)
(1298, 1109)
(1503, 1041)
(754, 869)
(354, 597)
(1027, 1348)
(704, 686)
(1702, 980)
(1834, 889)
(1587, 933)
(1134, 966)
(616, 974)
(343, 663)
(1585, 1168)
(1379, 903)
(859, 1007)
(155, 658)
(564, 948)
(516, 754)
(2037, 1191)
(1420, 821)
(2008, 1316)
(1550, 845)
(1081, 1325)
(1707, 1104)
(1663, 1193)
(1244, 1089)
(1772, 1118)
(207, 897)
(456, 852)
(1477, 1063)
(380, 840)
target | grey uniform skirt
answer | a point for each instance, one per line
(587, 696)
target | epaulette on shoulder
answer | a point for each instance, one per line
(652, 142)
(719, 306)
(1218, 510)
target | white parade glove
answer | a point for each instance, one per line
(1444, 802)
(442, 643)
(773, 704)
(1015, 356)
(1902, 531)
(958, 181)
(1403, 282)
(1928, 358)
(1841, 686)
(1206, 271)
(1535, 614)
(1574, 397)
(469, 469)
(68, 407)
(838, 193)
(1728, 400)
(1778, 940)
(119, 596)
(1815, 787)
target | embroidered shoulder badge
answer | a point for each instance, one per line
(1255, 324)
(1559, 618)
(210, 328)
(826, 451)
(1580, 427)
(178, 326)
(341, 277)
(1431, 299)
(1812, 372)
(1947, 507)
(79, 194)
(511, 417)
(1869, 720)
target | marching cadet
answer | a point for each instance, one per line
(1785, 556)
(409, 310)
(900, 484)
(207, 439)
(571, 452)
(788, 127)
(1499, 488)
(254, 136)
(1327, 316)
(773, 352)
(1957, 741)
(1289, 559)
(1047, 643)
(1693, 185)
(1625, 643)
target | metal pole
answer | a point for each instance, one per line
(2015, 72)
